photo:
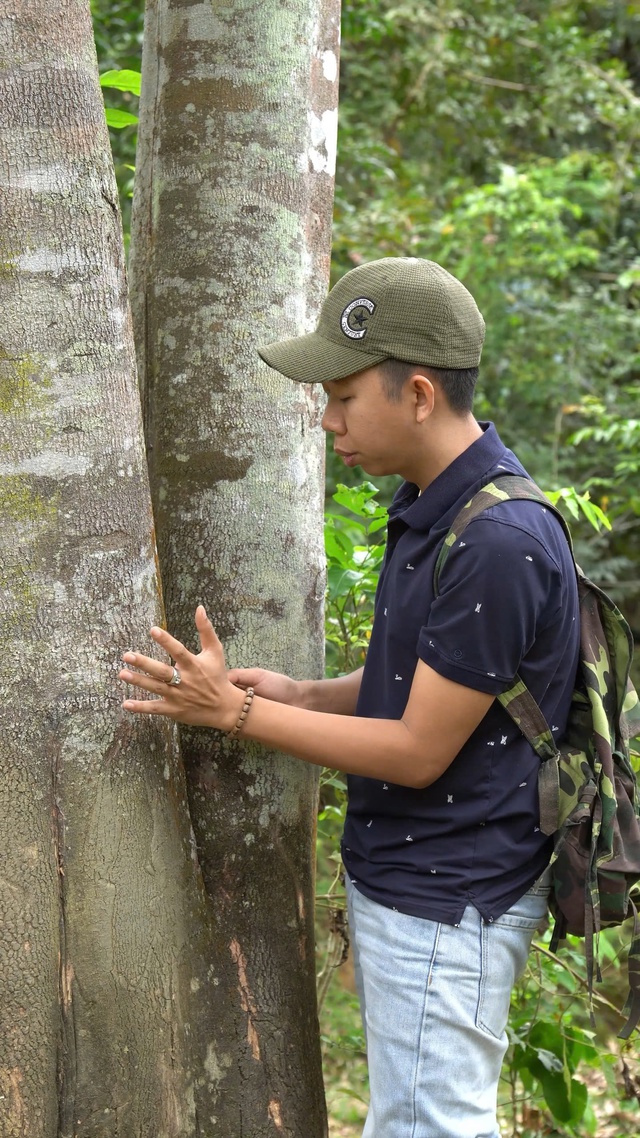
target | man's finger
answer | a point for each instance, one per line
(206, 631)
(244, 677)
(146, 706)
(147, 683)
(155, 668)
(171, 646)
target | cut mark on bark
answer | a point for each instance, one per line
(10, 1079)
(275, 1113)
(66, 980)
(246, 997)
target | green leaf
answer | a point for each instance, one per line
(119, 119)
(338, 548)
(358, 500)
(122, 80)
(566, 1107)
(341, 581)
(546, 1034)
(549, 1061)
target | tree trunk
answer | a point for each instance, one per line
(230, 249)
(104, 930)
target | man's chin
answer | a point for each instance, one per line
(376, 469)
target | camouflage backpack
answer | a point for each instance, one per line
(588, 791)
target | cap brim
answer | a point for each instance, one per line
(314, 359)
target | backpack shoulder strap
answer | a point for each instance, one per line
(506, 488)
(517, 700)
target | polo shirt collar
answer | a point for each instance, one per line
(422, 511)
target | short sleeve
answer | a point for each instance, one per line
(498, 590)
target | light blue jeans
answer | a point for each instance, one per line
(435, 1002)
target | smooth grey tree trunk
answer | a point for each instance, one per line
(230, 249)
(108, 1002)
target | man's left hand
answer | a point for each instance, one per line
(204, 697)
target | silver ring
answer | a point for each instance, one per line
(175, 679)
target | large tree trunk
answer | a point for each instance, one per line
(104, 930)
(230, 249)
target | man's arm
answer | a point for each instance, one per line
(414, 751)
(338, 696)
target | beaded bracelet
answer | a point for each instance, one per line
(243, 714)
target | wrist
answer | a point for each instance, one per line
(233, 710)
(303, 694)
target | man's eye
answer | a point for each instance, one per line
(346, 398)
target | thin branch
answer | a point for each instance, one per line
(576, 976)
(505, 83)
(612, 80)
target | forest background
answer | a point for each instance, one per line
(502, 141)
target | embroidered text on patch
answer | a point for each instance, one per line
(355, 318)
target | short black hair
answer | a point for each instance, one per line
(457, 384)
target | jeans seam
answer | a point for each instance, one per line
(483, 971)
(432, 961)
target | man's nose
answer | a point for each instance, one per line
(330, 420)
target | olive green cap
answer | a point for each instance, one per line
(399, 308)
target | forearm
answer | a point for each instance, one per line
(374, 748)
(338, 696)
(413, 751)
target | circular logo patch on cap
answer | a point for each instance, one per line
(355, 318)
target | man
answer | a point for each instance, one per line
(444, 857)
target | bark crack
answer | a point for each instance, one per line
(67, 1058)
(109, 200)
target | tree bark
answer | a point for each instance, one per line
(230, 249)
(105, 937)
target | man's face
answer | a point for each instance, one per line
(370, 430)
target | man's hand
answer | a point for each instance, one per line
(205, 697)
(270, 685)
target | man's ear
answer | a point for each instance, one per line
(423, 393)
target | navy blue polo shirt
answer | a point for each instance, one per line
(507, 604)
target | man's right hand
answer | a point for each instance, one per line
(338, 696)
(269, 685)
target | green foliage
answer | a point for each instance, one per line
(353, 561)
(122, 81)
(502, 141)
(118, 27)
(354, 556)
(576, 503)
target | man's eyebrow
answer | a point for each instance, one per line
(336, 384)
